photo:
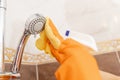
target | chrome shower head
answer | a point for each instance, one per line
(34, 25)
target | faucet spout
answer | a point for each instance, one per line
(2, 25)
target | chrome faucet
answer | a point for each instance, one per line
(4, 75)
(2, 26)
(34, 25)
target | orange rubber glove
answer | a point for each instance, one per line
(76, 61)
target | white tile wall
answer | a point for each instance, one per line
(19, 10)
(99, 18)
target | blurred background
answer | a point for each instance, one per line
(98, 18)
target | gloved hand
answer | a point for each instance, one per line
(76, 61)
(49, 39)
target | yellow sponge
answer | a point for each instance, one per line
(49, 36)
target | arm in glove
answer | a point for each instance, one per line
(76, 61)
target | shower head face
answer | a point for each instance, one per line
(35, 24)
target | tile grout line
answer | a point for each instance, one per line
(37, 72)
